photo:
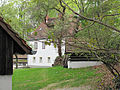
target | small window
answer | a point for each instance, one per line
(49, 60)
(33, 59)
(40, 61)
(43, 45)
(35, 45)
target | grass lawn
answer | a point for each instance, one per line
(38, 78)
(20, 60)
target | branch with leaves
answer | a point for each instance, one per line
(90, 19)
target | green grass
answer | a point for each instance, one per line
(37, 78)
(20, 60)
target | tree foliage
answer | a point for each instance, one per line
(99, 32)
(15, 13)
(99, 21)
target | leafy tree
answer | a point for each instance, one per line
(100, 31)
(58, 33)
(54, 9)
(99, 21)
(15, 13)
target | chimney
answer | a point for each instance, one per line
(47, 17)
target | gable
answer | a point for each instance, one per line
(20, 45)
(39, 33)
(10, 43)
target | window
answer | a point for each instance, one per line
(49, 60)
(43, 45)
(35, 45)
(40, 61)
(33, 59)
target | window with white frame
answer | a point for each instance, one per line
(40, 60)
(43, 45)
(35, 45)
(49, 61)
(33, 59)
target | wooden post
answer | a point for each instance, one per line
(16, 61)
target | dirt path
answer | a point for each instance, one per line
(76, 88)
(73, 88)
(55, 84)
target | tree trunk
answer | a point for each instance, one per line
(16, 61)
(110, 69)
(59, 47)
(65, 64)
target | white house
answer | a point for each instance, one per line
(44, 54)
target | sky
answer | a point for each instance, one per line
(3, 1)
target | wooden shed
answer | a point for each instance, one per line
(10, 43)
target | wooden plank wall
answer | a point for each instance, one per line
(6, 53)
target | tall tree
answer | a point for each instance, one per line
(17, 18)
(100, 31)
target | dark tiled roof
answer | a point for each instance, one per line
(42, 30)
(15, 36)
(39, 33)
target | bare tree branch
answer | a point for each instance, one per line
(110, 15)
(82, 5)
(78, 5)
(89, 49)
(62, 7)
(86, 26)
(56, 9)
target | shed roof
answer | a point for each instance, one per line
(19, 41)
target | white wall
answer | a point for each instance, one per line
(49, 51)
(80, 64)
(5, 82)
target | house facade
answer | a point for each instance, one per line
(44, 55)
